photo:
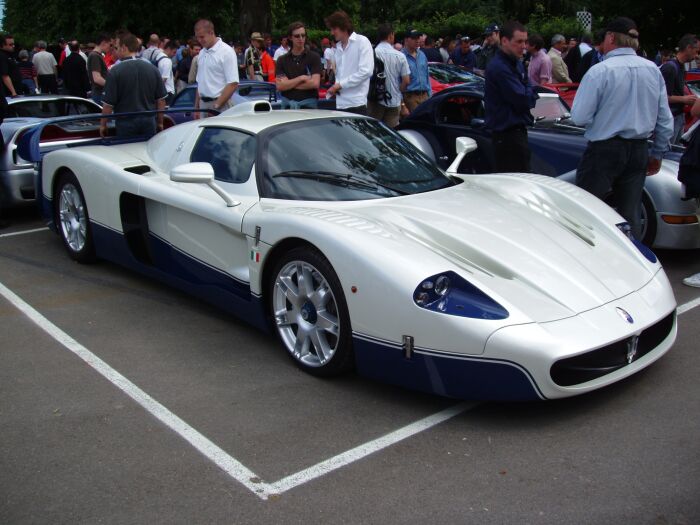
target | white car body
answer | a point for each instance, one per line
(548, 253)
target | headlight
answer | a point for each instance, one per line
(645, 250)
(451, 294)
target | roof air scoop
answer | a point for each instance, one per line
(248, 108)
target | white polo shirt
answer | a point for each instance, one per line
(216, 67)
(353, 68)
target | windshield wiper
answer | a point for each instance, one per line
(332, 177)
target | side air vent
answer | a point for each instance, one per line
(139, 170)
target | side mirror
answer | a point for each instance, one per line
(477, 123)
(193, 172)
(464, 146)
(201, 172)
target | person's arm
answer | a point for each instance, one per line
(160, 105)
(695, 110)
(663, 131)
(106, 111)
(285, 84)
(669, 73)
(310, 82)
(97, 78)
(226, 94)
(192, 76)
(8, 84)
(196, 114)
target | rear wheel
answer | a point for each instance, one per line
(648, 221)
(310, 314)
(72, 219)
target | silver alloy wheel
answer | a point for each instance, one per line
(306, 314)
(71, 209)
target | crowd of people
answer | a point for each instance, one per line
(623, 98)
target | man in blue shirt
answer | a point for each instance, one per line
(508, 98)
(418, 89)
(622, 101)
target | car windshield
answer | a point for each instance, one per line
(343, 159)
(549, 109)
(451, 74)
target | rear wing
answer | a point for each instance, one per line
(81, 130)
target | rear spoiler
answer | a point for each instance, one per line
(55, 131)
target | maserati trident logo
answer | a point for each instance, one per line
(626, 316)
(632, 345)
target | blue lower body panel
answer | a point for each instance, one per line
(462, 377)
(184, 273)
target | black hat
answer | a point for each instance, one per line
(493, 28)
(465, 39)
(412, 33)
(623, 25)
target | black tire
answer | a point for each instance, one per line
(311, 320)
(72, 219)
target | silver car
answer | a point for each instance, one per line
(16, 174)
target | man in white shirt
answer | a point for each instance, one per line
(354, 65)
(282, 50)
(217, 70)
(46, 69)
(397, 74)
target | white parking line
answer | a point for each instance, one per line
(24, 232)
(201, 443)
(688, 306)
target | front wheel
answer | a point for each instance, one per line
(72, 219)
(310, 314)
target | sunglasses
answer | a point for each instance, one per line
(302, 35)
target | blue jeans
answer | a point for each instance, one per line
(307, 103)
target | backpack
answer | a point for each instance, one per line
(155, 61)
(377, 83)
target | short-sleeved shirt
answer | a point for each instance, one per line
(216, 68)
(159, 59)
(96, 63)
(133, 85)
(395, 67)
(292, 66)
(252, 58)
(673, 73)
(45, 63)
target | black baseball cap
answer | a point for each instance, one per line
(493, 28)
(465, 39)
(412, 33)
(623, 25)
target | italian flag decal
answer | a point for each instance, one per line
(254, 256)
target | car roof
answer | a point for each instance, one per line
(246, 116)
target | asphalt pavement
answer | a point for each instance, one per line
(124, 401)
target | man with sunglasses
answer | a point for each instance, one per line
(298, 72)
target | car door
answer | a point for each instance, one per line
(206, 245)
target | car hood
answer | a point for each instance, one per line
(533, 243)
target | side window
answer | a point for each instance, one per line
(231, 153)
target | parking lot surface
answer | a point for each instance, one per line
(124, 401)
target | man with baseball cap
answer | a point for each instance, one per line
(622, 101)
(418, 89)
(488, 50)
(463, 55)
(253, 56)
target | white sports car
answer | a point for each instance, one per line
(357, 251)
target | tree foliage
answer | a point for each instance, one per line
(661, 24)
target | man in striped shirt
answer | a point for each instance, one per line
(397, 74)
